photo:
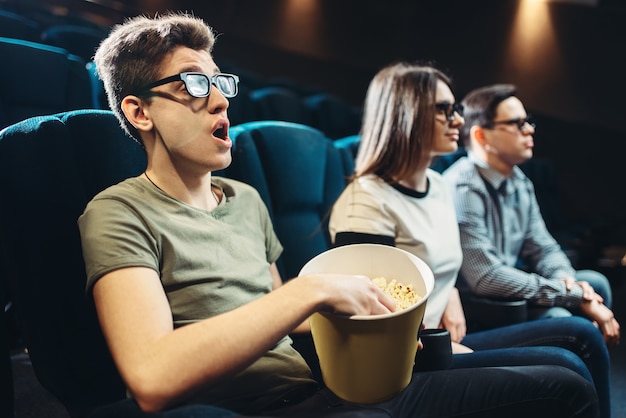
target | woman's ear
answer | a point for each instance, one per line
(136, 112)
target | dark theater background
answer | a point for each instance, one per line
(565, 56)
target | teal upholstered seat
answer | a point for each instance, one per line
(50, 167)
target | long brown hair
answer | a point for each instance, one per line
(398, 121)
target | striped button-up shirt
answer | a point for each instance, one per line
(500, 225)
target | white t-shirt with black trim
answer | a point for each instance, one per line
(423, 224)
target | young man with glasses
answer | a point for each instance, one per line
(500, 221)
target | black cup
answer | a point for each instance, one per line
(437, 351)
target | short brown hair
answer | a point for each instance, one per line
(129, 58)
(481, 104)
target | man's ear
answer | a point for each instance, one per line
(477, 134)
(136, 112)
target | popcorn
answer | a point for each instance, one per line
(404, 295)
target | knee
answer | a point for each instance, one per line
(567, 393)
(588, 338)
(566, 358)
(579, 394)
(557, 312)
(594, 278)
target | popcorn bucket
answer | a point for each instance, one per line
(370, 358)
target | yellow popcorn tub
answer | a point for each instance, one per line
(368, 359)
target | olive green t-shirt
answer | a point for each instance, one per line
(209, 262)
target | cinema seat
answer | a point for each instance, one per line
(50, 167)
(38, 79)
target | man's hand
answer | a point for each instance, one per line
(589, 293)
(605, 319)
(350, 295)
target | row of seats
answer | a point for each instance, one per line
(51, 166)
(280, 98)
(47, 67)
(61, 161)
(79, 37)
(321, 110)
(66, 51)
(39, 79)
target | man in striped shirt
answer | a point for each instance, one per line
(501, 225)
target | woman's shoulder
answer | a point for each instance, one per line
(368, 181)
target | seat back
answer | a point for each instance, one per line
(348, 147)
(79, 40)
(50, 167)
(240, 107)
(100, 98)
(278, 103)
(14, 25)
(333, 116)
(299, 175)
(443, 162)
(38, 79)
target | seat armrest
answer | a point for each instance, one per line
(483, 313)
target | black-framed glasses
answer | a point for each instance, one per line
(449, 109)
(521, 123)
(199, 84)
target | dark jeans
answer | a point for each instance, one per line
(506, 376)
(575, 334)
(521, 391)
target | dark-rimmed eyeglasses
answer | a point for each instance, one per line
(521, 123)
(199, 84)
(449, 109)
